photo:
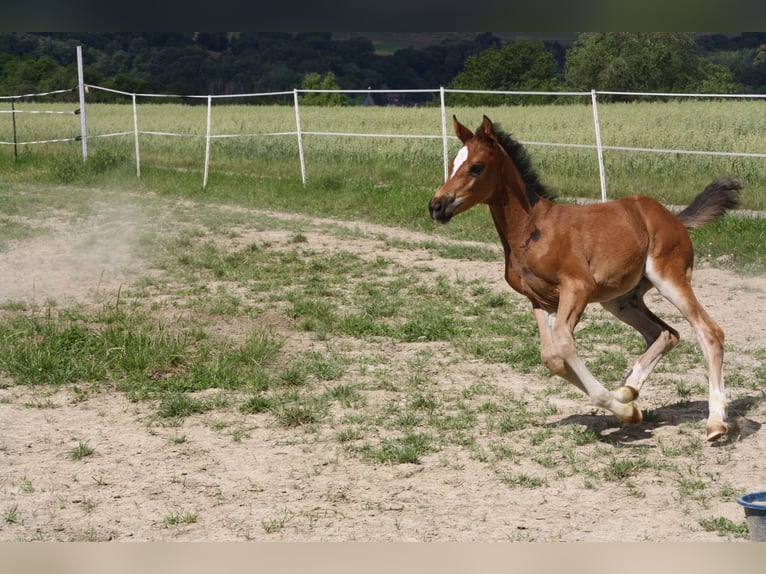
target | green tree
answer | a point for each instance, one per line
(515, 66)
(642, 61)
(314, 81)
(747, 66)
(29, 75)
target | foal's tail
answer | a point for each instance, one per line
(716, 199)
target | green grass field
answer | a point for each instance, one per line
(385, 162)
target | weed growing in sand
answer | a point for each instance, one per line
(276, 524)
(81, 451)
(618, 469)
(181, 517)
(725, 527)
(304, 411)
(523, 480)
(405, 449)
(26, 485)
(180, 405)
(12, 515)
(258, 404)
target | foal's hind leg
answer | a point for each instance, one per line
(659, 336)
(676, 287)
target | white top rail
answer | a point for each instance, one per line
(516, 93)
(679, 95)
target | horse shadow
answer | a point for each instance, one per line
(610, 430)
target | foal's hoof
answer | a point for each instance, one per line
(716, 431)
(625, 394)
(635, 417)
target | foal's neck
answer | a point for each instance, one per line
(511, 206)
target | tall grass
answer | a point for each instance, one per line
(256, 145)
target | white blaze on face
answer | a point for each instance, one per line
(459, 160)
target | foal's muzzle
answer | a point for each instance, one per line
(442, 208)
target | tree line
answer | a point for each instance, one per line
(221, 63)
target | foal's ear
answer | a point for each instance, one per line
(462, 132)
(486, 130)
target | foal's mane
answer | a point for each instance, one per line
(521, 159)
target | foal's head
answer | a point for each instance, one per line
(474, 172)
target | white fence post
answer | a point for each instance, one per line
(444, 134)
(601, 173)
(300, 137)
(135, 132)
(207, 141)
(83, 124)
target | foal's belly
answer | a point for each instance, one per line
(597, 286)
(617, 282)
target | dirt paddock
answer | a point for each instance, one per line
(272, 483)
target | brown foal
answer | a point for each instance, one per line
(563, 257)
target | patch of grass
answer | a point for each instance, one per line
(505, 452)
(261, 347)
(733, 242)
(81, 451)
(431, 324)
(425, 401)
(348, 395)
(14, 306)
(523, 480)
(402, 450)
(26, 485)
(314, 314)
(277, 523)
(324, 366)
(144, 357)
(695, 489)
(405, 421)
(41, 404)
(583, 436)
(349, 435)
(516, 416)
(725, 527)
(295, 375)
(11, 230)
(258, 404)
(12, 515)
(181, 517)
(51, 350)
(618, 469)
(181, 405)
(453, 250)
(300, 413)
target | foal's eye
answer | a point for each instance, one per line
(476, 169)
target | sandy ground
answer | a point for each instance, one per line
(283, 484)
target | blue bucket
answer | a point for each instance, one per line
(755, 514)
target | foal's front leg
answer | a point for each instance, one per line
(559, 354)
